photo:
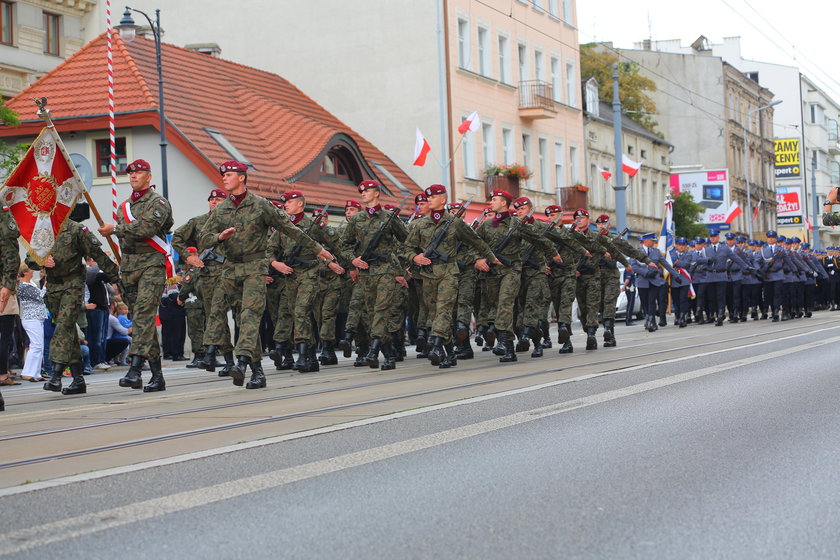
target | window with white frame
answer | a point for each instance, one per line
(559, 171)
(552, 7)
(555, 78)
(574, 174)
(504, 60)
(483, 52)
(542, 156)
(523, 63)
(595, 186)
(538, 66)
(488, 145)
(468, 149)
(507, 146)
(567, 12)
(538, 4)
(463, 43)
(571, 85)
(526, 150)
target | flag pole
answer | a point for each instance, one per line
(44, 113)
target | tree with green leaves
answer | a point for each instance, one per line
(687, 216)
(10, 154)
(633, 88)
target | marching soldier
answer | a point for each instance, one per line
(465, 255)
(563, 283)
(650, 280)
(681, 259)
(773, 260)
(367, 242)
(200, 280)
(238, 229)
(142, 225)
(431, 247)
(65, 294)
(356, 324)
(717, 256)
(329, 292)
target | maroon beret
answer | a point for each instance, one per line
(353, 204)
(391, 208)
(278, 203)
(521, 201)
(420, 198)
(217, 193)
(454, 205)
(581, 212)
(503, 194)
(139, 165)
(552, 209)
(435, 189)
(368, 184)
(289, 195)
(602, 219)
(320, 212)
(233, 165)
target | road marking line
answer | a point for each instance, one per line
(84, 477)
(19, 540)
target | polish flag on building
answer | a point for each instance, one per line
(755, 212)
(808, 223)
(629, 166)
(470, 124)
(733, 212)
(421, 149)
(604, 172)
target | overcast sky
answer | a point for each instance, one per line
(770, 30)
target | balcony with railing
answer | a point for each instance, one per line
(536, 100)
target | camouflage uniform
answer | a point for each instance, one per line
(66, 284)
(143, 269)
(194, 307)
(609, 278)
(328, 299)
(377, 281)
(242, 281)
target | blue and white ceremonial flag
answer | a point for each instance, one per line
(666, 234)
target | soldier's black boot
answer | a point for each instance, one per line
(808, 312)
(592, 342)
(257, 380)
(506, 342)
(479, 335)
(237, 372)
(54, 383)
(276, 354)
(78, 386)
(302, 363)
(156, 383)
(743, 314)
(490, 336)
(462, 332)
(546, 334)
(436, 352)
(398, 342)
(225, 371)
(536, 335)
(361, 355)
(648, 326)
(346, 344)
(372, 358)
(785, 315)
(451, 359)
(208, 361)
(197, 357)
(311, 360)
(133, 377)
(328, 357)
(563, 333)
(421, 338)
(465, 350)
(609, 333)
(567, 347)
(523, 340)
(682, 321)
(734, 317)
(389, 353)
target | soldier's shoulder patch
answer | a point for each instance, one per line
(5, 208)
(12, 225)
(162, 201)
(156, 213)
(84, 228)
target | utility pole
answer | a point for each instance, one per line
(619, 187)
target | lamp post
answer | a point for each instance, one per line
(746, 161)
(128, 29)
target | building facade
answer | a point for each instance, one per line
(388, 68)
(36, 35)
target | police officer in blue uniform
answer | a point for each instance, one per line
(718, 256)
(773, 264)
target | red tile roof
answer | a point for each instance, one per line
(275, 125)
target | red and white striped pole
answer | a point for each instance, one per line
(111, 125)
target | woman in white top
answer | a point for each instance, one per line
(33, 313)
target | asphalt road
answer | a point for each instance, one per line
(724, 453)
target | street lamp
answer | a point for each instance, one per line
(128, 29)
(746, 161)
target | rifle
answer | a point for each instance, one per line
(431, 251)
(369, 255)
(529, 252)
(503, 242)
(478, 219)
(294, 260)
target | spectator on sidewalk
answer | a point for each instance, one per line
(33, 312)
(119, 339)
(97, 307)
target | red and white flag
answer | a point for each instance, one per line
(629, 166)
(604, 172)
(421, 149)
(470, 124)
(41, 193)
(808, 223)
(733, 212)
(755, 212)
(156, 242)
